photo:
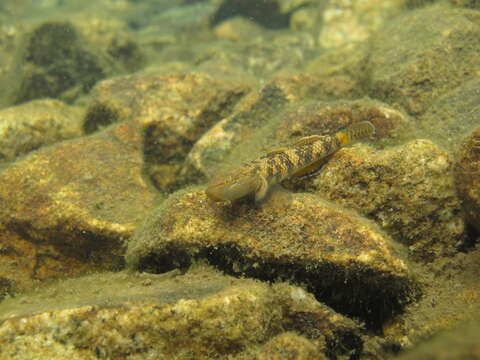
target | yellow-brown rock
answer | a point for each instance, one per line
(201, 314)
(344, 259)
(35, 124)
(277, 116)
(290, 346)
(345, 22)
(408, 190)
(317, 117)
(173, 110)
(69, 206)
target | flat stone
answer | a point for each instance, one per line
(254, 111)
(450, 298)
(71, 205)
(201, 314)
(343, 258)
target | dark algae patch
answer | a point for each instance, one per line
(57, 60)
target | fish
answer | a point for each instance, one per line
(302, 157)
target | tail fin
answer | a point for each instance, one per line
(355, 132)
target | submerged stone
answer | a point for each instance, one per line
(435, 50)
(173, 110)
(56, 61)
(289, 346)
(467, 177)
(35, 124)
(343, 258)
(201, 314)
(452, 116)
(407, 190)
(66, 208)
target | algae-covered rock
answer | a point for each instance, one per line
(460, 343)
(251, 113)
(269, 14)
(342, 257)
(56, 61)
(237, 29)
(473, 4)
(201, 314)
(423, 54)
(353, 21)
(239, 134)
(67, 207)
(408, 190)
(467, 177)
(289, 346)
(450, 298)
(316, 117)
(38, 123)
(452, 116)
(173, 110)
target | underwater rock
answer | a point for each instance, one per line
(407, 190)
(289, 346)
(346, 61)
(459, 343)
(56, 61)
(452, 116)
(473, 4)
(417, 57)
(269, 14)
(35, 124)
(201, 314)
(9, 36)
(282, 107)
(467, 177)
(317, 117)
(101, 45)
(237, 29)
(345, 22)
(252, 112)
(69, 206)
(173, 110)
(111, 34)
(342, 258)
(450, 299)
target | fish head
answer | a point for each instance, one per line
(231, 189)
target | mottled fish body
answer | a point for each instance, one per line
(259, 175)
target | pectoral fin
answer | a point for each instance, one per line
(262, 189)
(312, 169)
